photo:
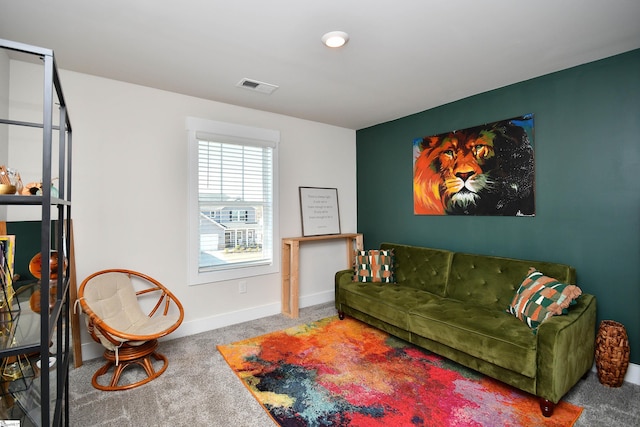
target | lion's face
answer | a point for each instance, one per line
(449, 173)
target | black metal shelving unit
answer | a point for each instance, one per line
(45, 402)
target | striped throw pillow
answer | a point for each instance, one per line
(540, 297)
(374, 266)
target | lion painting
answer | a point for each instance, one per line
(484, 170)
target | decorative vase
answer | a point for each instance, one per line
(612, 353)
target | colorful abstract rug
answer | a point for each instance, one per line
(346, 373)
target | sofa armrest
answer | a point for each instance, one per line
(342, 276)
(566, 349)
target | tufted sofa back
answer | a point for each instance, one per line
(487, 280)
(421, 268)
(492, 281)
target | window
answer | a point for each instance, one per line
(232, 196)
(239, 215)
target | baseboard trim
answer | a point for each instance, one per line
(632, 376)
(92, 350)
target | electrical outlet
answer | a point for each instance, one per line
(242, 286)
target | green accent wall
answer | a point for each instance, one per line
(27, 246)
(587, 154)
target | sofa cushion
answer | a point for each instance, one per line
(491, 281)
(491, 335)
(540, 297)
(387, 303)
(421, 268)
(374, 266)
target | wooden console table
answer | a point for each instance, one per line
(291, 266)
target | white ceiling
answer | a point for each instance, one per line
(404, 56)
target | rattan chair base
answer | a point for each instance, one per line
(127, 356)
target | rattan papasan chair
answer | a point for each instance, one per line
(113, 301)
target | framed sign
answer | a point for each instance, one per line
(319, 209)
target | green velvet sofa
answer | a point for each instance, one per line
(454, 304)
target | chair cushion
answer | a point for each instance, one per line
(112, 298)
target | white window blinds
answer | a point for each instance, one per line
(235, 193)
(234, 178)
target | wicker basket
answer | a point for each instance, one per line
(612, 353)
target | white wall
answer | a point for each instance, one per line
(4, 102)
(130, 190)
(4, 113)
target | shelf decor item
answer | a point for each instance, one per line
(7, 259)
(35, 265)
(7, 189)
(16, 374)
(612, 353)
(14, 368)
(10, 181)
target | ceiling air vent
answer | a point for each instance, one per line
(257, 86)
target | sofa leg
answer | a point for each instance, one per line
(341, 315)
(547, 407)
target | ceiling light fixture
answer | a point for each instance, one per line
(335, 38)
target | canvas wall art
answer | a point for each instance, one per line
(482, 170)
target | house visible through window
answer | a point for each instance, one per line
(240, 215)
(235, 194)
